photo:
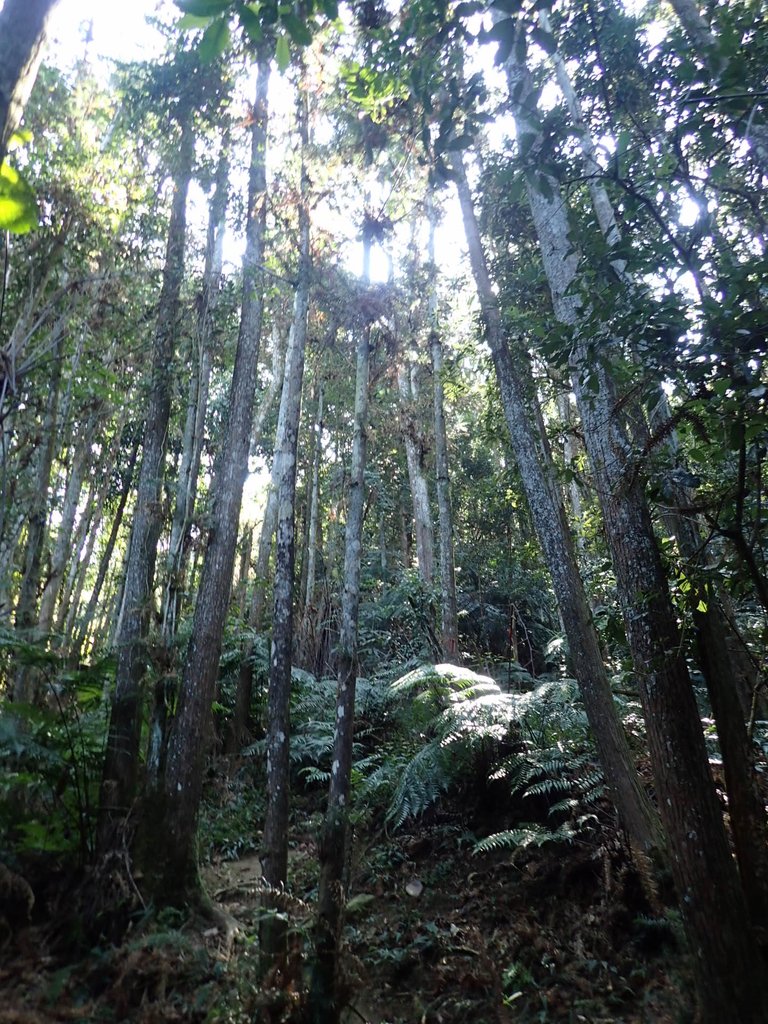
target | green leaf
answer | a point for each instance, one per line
(358, 903)
(282, 53)
(330, 9)
(467, 9)
(508, 6)
(18, 208)
(251, 24)
(19, 138)
(504, 33)
(203, 8)
(460, 142)
(215, 41)
(298, 30)
(192, 21)
(544, 39)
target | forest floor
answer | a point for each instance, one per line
(435, 935)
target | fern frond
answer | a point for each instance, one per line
(546, 787)
(513, 839)
(528, 834)
(424, 779)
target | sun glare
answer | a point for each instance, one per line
(112, 31)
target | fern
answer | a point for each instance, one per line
(528, 834)
(425, 777)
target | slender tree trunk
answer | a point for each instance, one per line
(725, 954)
(240, 584)
(545, 501)
(715, 635)
(197, 401)
(168, 829)
(26, 607)
(324, 997)
(81, 459)
(81, 563)
(189, 469)
(22, 39)
(106, 557)
(85, 531)
(274, 859)
(86, 535)
(122, 754)
(238, 732)
(414, 452)
(450, 628)
(308, 616)
(570, 451)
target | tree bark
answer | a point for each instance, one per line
(272, 933)
(725, 955)
(545, 501)
(308, 612)
(189, 469)
(324, 1005)
(23, 26)
(121, 760)
(167, 848)
(26, 607)
(197, 400)
(450, 628)
(414, 453)
(239, 730)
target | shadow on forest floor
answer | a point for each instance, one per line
(434, 935)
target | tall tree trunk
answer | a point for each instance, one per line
(545, 501)
(238, 732)
(308, 622)
(22, 38)
(189, 469)
(324, 1005)
(26, 607)
(414, 452)
(106, 557)
(197, 400)
(169, 825)
(274, 858)
(450, 628)
(725, 954)
(80, 463)
(121, 760)
(715, 634)
(86, 535)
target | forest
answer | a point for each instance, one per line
(383, 583)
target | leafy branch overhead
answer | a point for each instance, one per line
(271, 25)
(18, 205)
